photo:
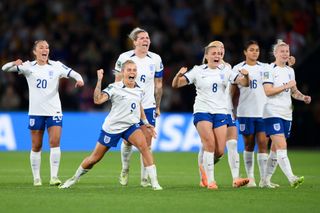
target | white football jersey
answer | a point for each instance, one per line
(253, 98)
(149, 68)
(279, 105)
(43, 82)
(211, 87)
(125, 107)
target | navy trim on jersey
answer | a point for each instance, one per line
(186, 79)
(106, 93)
(18, 69)
(34, 63)
(149, 56)
(235, 78)
(274, 65)
(158, 74)
(206, 67)
(132, 55)
(69, 73)
(244, 63)
(267, 82)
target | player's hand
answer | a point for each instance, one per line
(291, 61)
(79, 84)
(18, 62)
(151, 130)
(100, 74)
(182, 71)
(244, 72)
(158, 113)
(307, 99)
(291, 84)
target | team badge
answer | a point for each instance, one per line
(106, 139)
(152, 67)
(266, 75)
(31, 121)
(51, 74)
(242, 127)
(222, 77)
(276, 126)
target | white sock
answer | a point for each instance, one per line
(144, 173)
(233, 158)
(284, 163)
(35, 161)
(126, 152)
(248, 158)
(55, 155)
(80, 171)
(208, 164)
(262, 164)
(152, 172)
(200, 159)
(271, 165)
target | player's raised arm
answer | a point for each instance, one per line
(98, 96)
(12, 66)
(179, 80)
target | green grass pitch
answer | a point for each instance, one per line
(99, 190)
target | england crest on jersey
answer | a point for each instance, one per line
(152, 67)
(51, 74)
(276, 126)
(31, 121)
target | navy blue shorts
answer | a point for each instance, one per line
(250, 126)
(276, 126)
(217, 120)
(37, 122)
(111, 140)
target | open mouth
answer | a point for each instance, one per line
(216, 60)
(131, 77)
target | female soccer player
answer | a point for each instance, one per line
(210, 108)
(250, 114)
(122, 122)
(232, 133)
(43, 77)
(149, 78)
(279, 85)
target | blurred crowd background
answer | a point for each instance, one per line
(90, 34)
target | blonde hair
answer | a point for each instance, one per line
(134, 33)
(279, 43)
(215, 43)
(123, 66)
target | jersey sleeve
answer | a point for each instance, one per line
(291, 74)
(120, 61)
(191, 75)
(64, 70)
(109, 90)
(24, 68)
(159, 67)
(267, 77)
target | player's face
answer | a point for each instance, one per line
(130, 73)
(282, 53)
(252, 52)
(41, 51)
(214, 56)
(143, 41)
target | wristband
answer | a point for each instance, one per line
(145, 121)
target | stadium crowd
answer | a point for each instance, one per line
(88, 35)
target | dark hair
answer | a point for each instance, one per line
(249, 43)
